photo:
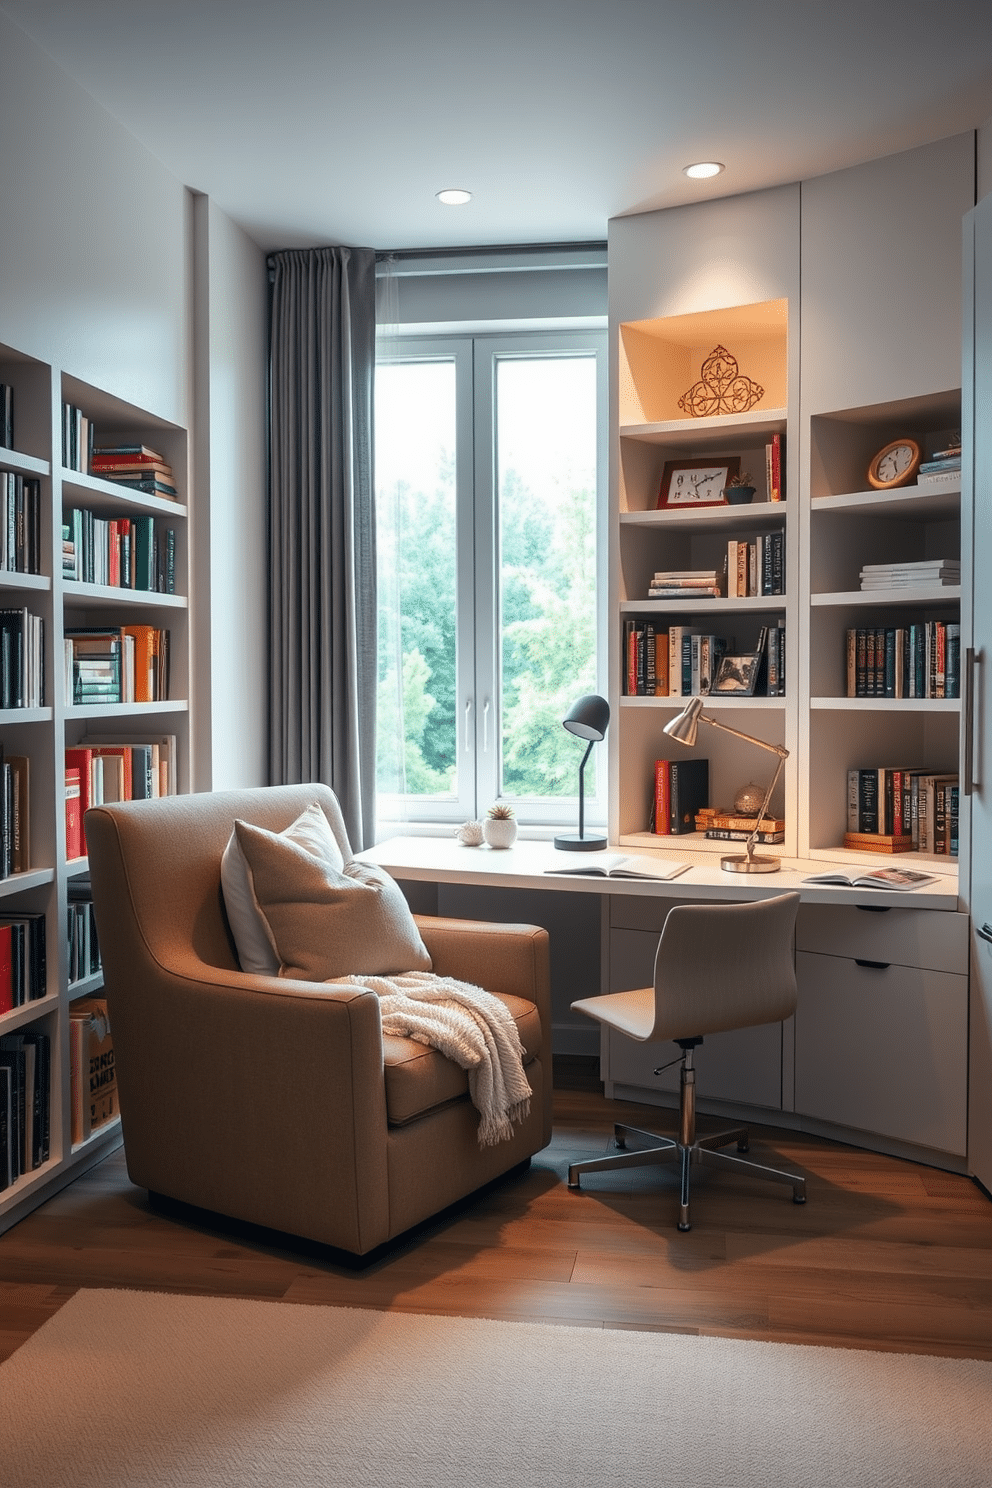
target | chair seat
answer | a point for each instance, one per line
(419, 1078)
(632, 1013)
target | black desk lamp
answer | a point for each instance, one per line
(588, 718)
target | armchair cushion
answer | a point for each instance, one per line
(419, 1078)
(312, 831)
(324, 923)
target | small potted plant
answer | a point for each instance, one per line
(500, 827)
(739, 490)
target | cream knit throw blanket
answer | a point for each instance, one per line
(468, 1025)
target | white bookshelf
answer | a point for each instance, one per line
(44, 733)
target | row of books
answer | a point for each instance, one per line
(122, 552)
(684, 662)
(6, 415)
(135, 466)
(681, 788)
(25, 1103)
(116, 664)
(22, 659)
(92, 1073)
(23, 961)
(906, 809)
(728, 826)
(756, 566)
(688, 584)
(15, 819)
(943, 572)
(907, 661)
(83, 944)
(20, 523)
(77, 439)
(100, 771)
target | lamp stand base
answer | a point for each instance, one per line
(574, 843)
(743, 864)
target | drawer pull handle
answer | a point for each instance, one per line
(874, 908)
(986, 931)
(875, 965)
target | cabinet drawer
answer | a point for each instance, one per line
(743, 1066)
(903, 937)
(883, 1050)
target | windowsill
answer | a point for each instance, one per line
(526, 833)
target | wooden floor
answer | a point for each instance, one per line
(885, 1254)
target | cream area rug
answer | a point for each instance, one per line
(131, 1389)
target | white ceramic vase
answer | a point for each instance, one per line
(500, 831)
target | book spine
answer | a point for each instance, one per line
(662, 798)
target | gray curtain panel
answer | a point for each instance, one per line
(322, 601)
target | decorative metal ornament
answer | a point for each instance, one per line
(722, 388)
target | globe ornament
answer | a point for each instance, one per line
(748, 799)
(722, 388)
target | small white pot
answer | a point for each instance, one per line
(499, 831)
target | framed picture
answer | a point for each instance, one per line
(737, 674)
(697, 482)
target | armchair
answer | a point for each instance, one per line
(276, 1101)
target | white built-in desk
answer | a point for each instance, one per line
(877, 1052)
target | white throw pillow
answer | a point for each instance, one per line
(325, 923)
(311, 831)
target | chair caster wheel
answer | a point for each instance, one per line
(799, 1198)
(743, 1146)
(684, 1227)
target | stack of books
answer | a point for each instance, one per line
(681, 789)
(728, 826)
(136, 466)
(686, 583)
(122, 552)
(756, 566)
(921, 660)
(22, 655)
(116, 664)
(77, 439)
(902, 809)
(25, 1103)
(942, 571)
(20, 523)
(92, 1071)
(942, 468)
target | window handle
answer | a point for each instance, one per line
(468, 725)
(485, 727)
(985, 933)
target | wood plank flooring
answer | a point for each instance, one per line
(885, 1254)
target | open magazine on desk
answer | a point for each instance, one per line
(622, 865)
(877, 878)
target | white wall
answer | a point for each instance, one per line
(230, 573)
(110, 271)
(94, 239)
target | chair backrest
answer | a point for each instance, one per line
(722, 966)
(157, 863)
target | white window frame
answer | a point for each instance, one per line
(477, 657)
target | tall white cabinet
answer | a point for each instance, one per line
(842, 297)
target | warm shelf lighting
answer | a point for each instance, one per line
(453, 196)
(703, 170)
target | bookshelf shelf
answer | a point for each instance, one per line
(110, 594)
(702, 607)
(709, 433)
(710, 518)
(42, 734)
(857, 599)
(921, 706)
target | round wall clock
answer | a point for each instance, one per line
(895, 465)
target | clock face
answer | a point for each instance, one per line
(895, 464)
(691, 487)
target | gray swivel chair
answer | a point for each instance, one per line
(717, 967)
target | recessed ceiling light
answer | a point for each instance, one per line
(453, 196)
(703, 169)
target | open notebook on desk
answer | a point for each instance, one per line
(620, 865)
(877, 878)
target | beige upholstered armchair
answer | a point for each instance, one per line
(277, 1101)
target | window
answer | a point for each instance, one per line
(489, 463)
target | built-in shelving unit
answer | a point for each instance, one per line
(43, 733)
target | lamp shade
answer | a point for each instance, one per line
(683, 729)
(589, 717)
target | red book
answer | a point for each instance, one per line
(662, 798)
(776, 491)
(73, 816)
(6, 968)
(81, 760)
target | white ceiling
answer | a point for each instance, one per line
(318, 121)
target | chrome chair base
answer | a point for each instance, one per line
(686, 1149)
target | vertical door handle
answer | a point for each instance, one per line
(468, 725)
(485, 727)
(972, 673)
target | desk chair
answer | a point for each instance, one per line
(717, 967)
